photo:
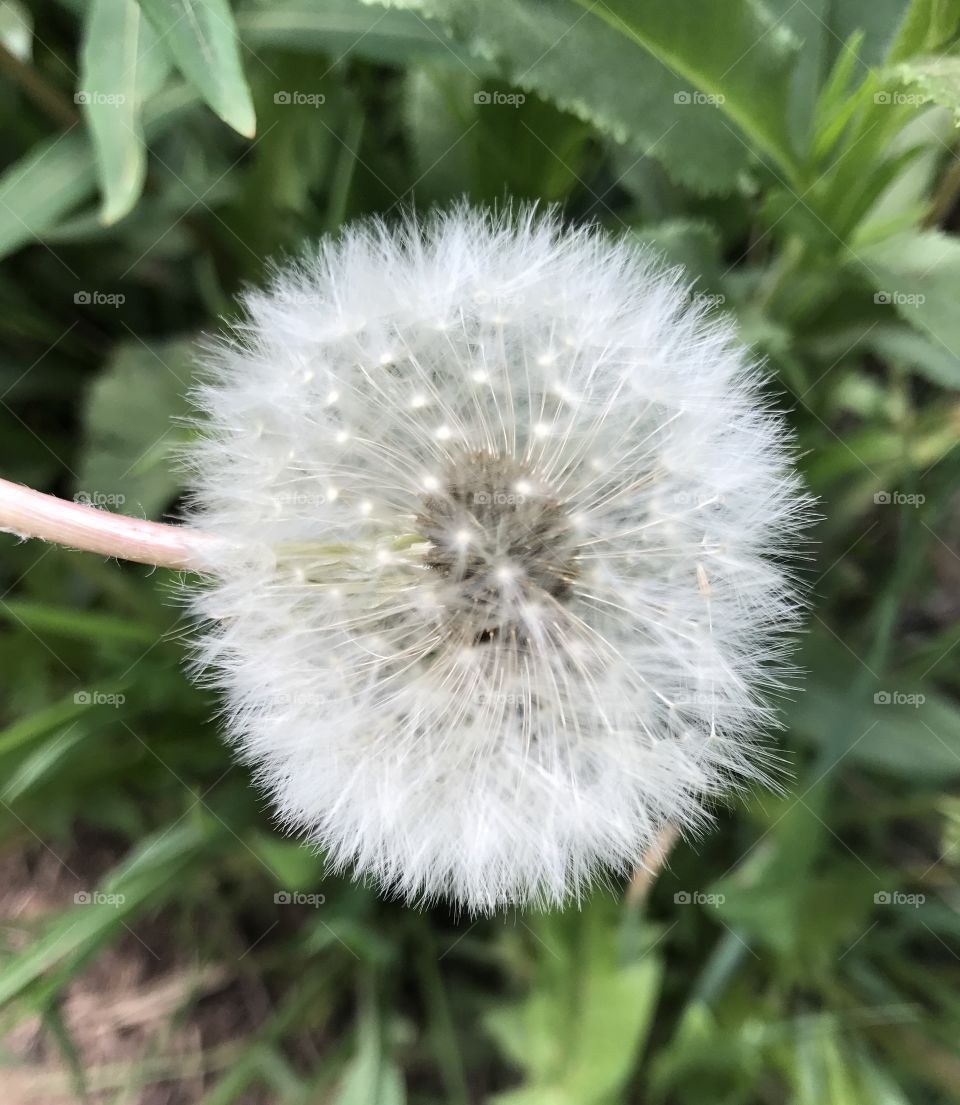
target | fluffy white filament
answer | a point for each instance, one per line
(511, 522)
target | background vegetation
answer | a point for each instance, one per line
(160, 941)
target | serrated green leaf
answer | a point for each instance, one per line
(120, 66)
(932, 80)
(732, 51)
(549, 47)
(202, 40)
(917, 275)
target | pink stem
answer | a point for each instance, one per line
(29, 513)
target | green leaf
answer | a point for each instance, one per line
(695, 246)
(578, 1052)
(130, 429)
(28, 729)
(527, 150)
(900, 727)
(550, 47)
(732, 51)
(40, 763)
(202, 39)
(370, 1076)
(97, 916)
(16, 28)
(80, 625)
(877, 20)
(935, 79)
(120, 66)
(809, 24)
(917, 275)
(296, 865)
(342, 28)
(44, 185)
(916, 352)
(927, 25)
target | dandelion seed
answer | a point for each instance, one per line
(539, 618)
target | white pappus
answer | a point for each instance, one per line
(510, 529)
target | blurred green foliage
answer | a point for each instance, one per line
(800, 160)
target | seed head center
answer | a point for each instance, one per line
(498, 536)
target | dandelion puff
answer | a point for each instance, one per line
(510, 531)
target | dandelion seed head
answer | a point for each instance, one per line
(509, 582)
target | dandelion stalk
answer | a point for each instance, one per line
(28, 513)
